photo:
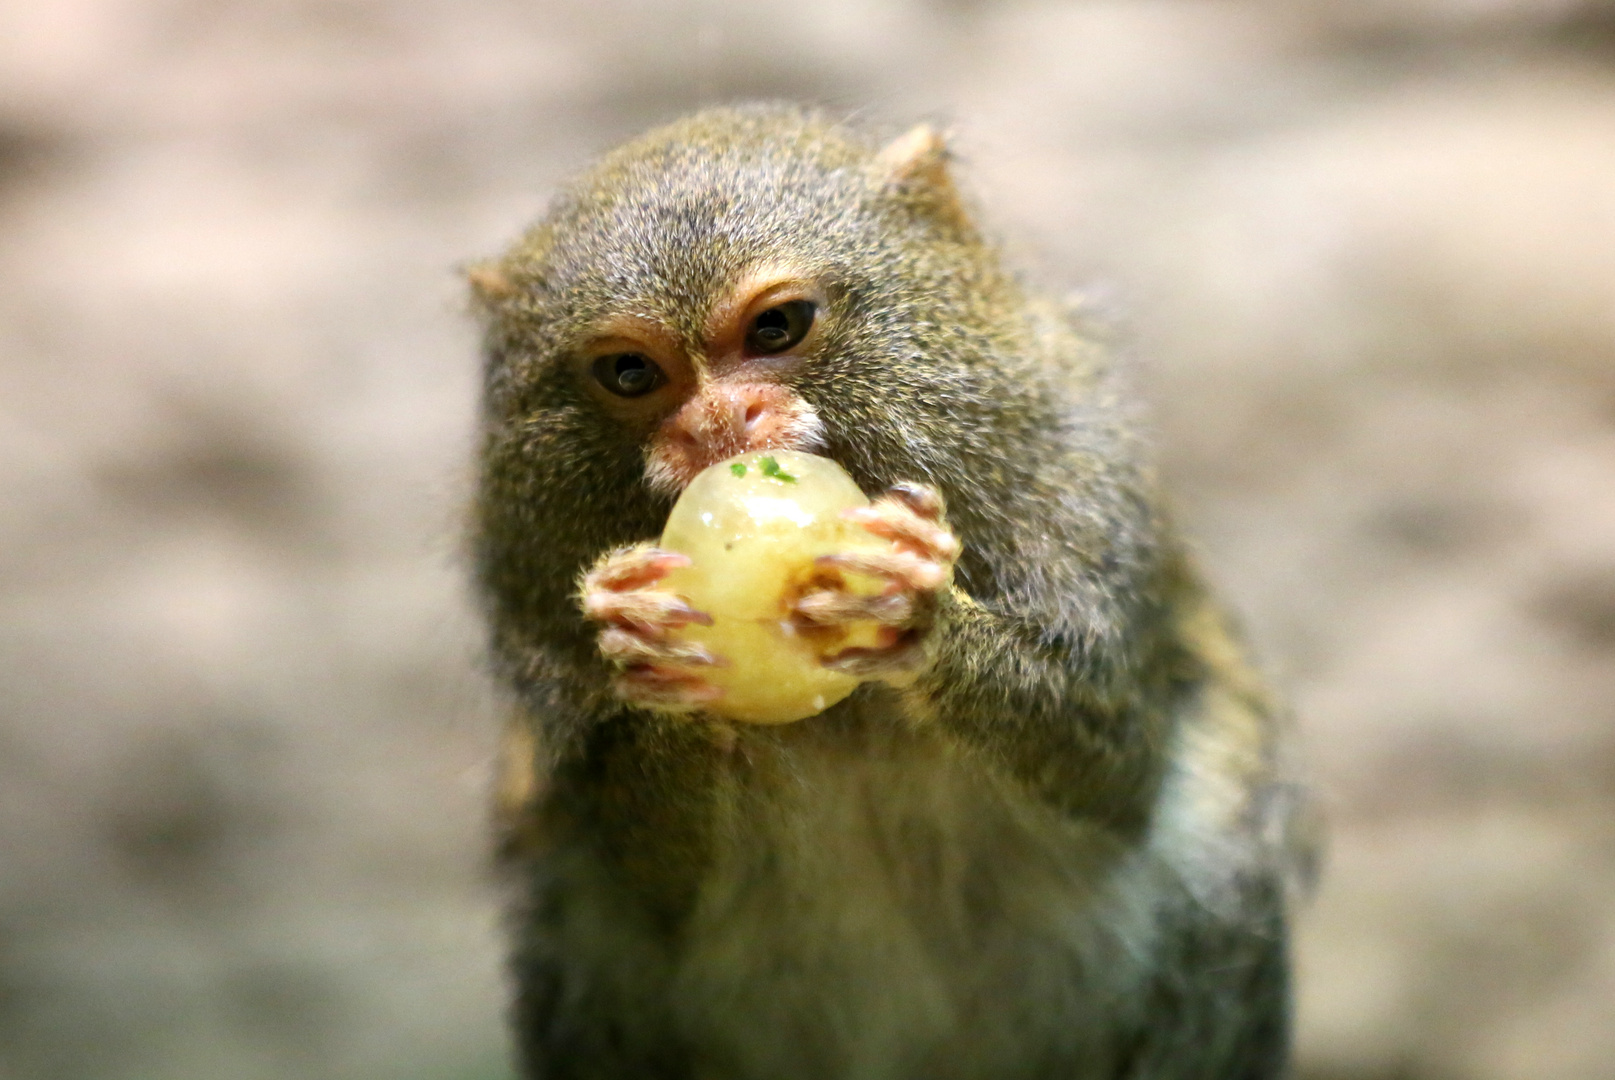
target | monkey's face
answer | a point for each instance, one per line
(728, 393)
(740, 282)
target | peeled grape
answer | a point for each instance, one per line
(752, 527)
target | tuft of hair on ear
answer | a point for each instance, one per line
(490, 285)
(916, 164)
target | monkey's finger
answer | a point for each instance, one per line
(892, 519)
(903, 656)
(648, 609)
(924, 500)
(633, 568)
(832, 606)
(664, 688)
(901, 568)
(655, 675)
(627, 647)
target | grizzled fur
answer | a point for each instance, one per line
(1059, 852)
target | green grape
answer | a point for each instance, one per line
(752, 527)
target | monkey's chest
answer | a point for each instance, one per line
(887, 909)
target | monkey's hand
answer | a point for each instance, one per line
(915, 574)
(654, 671)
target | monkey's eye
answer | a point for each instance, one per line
(627, 374)
(780, 327)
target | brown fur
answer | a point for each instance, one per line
(1058, 851)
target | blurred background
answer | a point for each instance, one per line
(1364, 251)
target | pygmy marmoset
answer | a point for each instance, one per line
(1048, 834)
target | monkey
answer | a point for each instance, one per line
(1052, 833)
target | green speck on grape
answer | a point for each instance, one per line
(771, 469)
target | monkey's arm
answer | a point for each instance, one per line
(1066, 654)
(1035, 701)
(1070, 689)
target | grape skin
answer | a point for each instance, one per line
(752, 527)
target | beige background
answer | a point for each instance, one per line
(1366, 252)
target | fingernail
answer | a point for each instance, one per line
(684, 611)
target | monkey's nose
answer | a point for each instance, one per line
(736, 413)
(723, 420)
(750, 418)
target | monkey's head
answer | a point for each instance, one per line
(742, 279)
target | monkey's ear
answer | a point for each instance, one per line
(916, 162)
(920, 154)
(490, 285)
